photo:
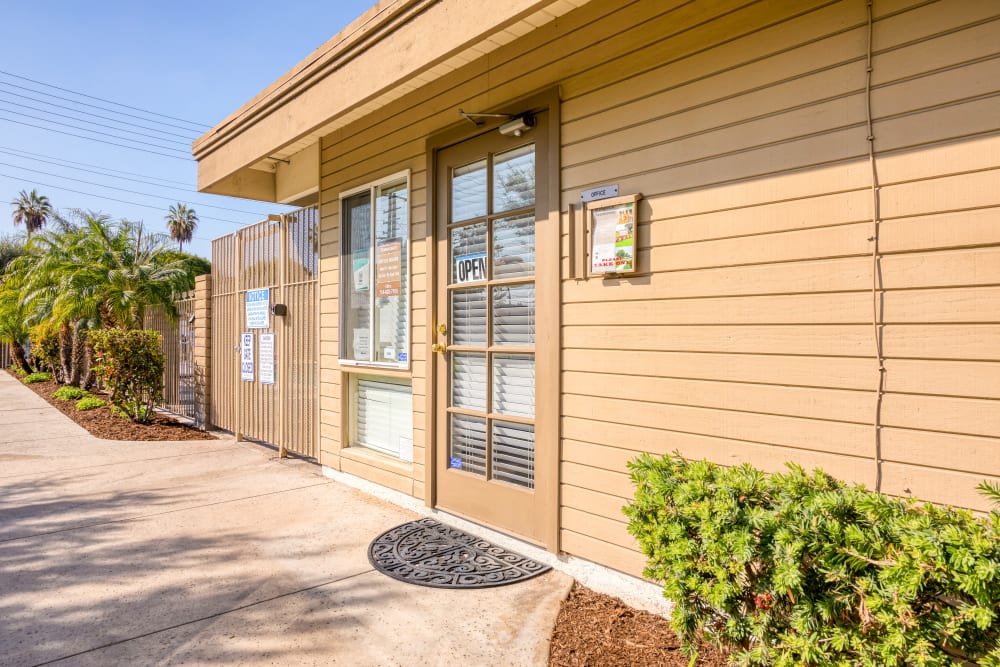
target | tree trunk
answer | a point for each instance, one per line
(66, 350)
(89, 377)
(79, 356)
(17, 354)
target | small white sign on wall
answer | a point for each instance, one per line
(246, 357)
(265, 354)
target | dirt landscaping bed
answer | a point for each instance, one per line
(597, 630)
(102, 423)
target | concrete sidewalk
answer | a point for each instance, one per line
(140, 553)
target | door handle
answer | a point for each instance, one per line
(438, 347)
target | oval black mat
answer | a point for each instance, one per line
(428, 553)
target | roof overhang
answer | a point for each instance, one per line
(394, 48)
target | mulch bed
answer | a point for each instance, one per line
(597, 630)
(102, 423)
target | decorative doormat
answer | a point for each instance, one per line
(428, 553)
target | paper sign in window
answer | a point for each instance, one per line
(388, 267)
(470, 268)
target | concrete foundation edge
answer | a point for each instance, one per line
(633, 591)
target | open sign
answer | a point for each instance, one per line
(470, 268)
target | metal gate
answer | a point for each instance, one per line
(280, 255)
(178, 356)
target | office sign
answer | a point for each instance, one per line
(258, 308)
(602, 192)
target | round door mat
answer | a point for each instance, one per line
(428, 553)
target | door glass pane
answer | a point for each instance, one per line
(514, 384)
(468, 253)
(468, 380)
(514, 315)
(468, 191)
(468, 444)
(514, 247)
(468, 316)
(514, 179)
(514, 453)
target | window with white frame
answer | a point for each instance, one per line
(374, 276)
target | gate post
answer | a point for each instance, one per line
(202, 356)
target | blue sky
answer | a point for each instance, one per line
(196, 61)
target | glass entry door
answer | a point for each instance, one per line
(486, 332)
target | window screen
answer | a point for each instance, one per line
(375, 276)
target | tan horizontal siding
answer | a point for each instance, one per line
(749, 335)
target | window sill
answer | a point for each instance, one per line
(377, 460)
(385, 371)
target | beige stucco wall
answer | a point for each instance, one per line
(750, 335)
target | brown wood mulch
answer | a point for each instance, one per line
(102, 423)
(597, 630)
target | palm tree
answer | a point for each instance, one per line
(32, 210)
(181, 221)
(93, 274)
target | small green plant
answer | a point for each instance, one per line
(801, 569)
(37, 377)
(991, 491)
(89, 403)
(16, 370)
(130, 364)
(70, 393)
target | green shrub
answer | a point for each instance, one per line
(89, 403)
(45, 345)
(130, 364)
(70, 393)
(16, 370)
(800, 569)
(37, 377)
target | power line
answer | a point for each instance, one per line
(84, 120)
(95, 115)
(84, 129)
(120, 201)
(93, 106)
(100, 141)
(131, 192)
(186, 188)
(101, 99)
(58, 161)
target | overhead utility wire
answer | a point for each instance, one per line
(62, 162)
(131, 192)
(120, 201)
(101, 99)
(118, 175)
(90, 122)
(92, 106)
(84, 129)
(89, 113)
(100, 141)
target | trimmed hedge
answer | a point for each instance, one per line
(130, 363)
(801, 569)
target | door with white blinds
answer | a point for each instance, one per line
(486, 331)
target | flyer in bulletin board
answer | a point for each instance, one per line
(612, 233)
